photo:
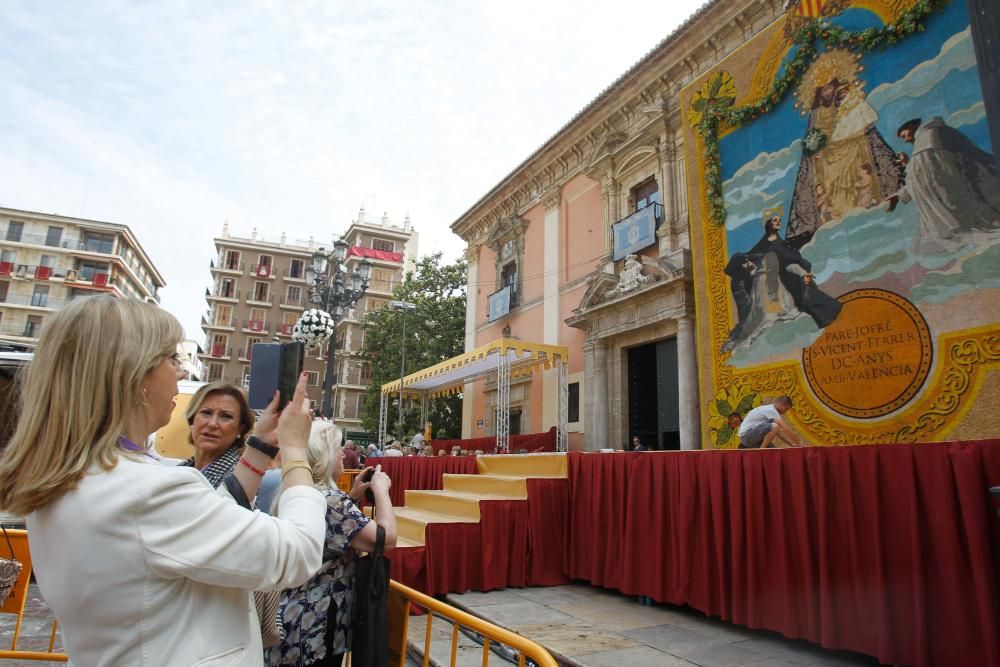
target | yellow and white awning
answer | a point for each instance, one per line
(450, 376)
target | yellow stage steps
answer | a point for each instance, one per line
(501, 478)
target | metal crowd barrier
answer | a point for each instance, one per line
(493, 636)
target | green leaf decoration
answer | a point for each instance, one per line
(723, 407)
(746, 404)
(724, 435)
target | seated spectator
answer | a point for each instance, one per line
(456, 450)
(373, 451)
(441, 452)
(393, 449)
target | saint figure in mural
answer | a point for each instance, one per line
(846, 163)
(772, 282)
(953, 183)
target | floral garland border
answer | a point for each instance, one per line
(717, 112)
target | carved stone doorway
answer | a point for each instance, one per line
(653, 413)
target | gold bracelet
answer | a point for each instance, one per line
(292, 465)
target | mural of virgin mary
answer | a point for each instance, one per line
(846, 163)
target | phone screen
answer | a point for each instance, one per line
(291, 367)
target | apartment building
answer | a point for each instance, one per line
(392, 250)
(48, 260)
(259, 290)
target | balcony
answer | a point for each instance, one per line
(265, 271)
(227, 268)
(97, 246)
(218, 352)
(29, 330)
(246, 352)
(231, 295)
(261, 300)
(355, 377)
(294, 303)
(382, 286)
(224, 323)
(299, 277)
(285, 330)
(256, 326)
(42, 301)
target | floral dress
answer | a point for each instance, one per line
(304, 610)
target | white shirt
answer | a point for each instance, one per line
(765, 414)
(389, 452)
(148, 565)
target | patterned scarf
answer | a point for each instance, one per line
(217, 470)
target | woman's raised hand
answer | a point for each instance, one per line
(266, 427)
(380, 481)
(294, 424)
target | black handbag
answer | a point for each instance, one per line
(10, 570)
(370, 642)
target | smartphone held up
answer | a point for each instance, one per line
(274, 366)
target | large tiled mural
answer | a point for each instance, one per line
(845, 214)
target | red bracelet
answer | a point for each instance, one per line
(252, 468)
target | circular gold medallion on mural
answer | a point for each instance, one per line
(873, 358)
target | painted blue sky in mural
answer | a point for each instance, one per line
(928, 74)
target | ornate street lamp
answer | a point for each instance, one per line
(335, 290)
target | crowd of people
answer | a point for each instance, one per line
(140, 557)
(394, 448)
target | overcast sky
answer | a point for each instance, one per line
(287, 116)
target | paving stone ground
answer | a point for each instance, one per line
(584, 626)
(36, 629)
(581, 625)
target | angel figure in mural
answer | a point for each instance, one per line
(846, 163)
(953, 183)
(772, 282)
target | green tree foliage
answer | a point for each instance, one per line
(434, 333)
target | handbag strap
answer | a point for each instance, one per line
(11, 546)
(379, 541)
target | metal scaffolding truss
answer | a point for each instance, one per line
(562, 385)
(383, 414)
(503, 404)
(501, 360)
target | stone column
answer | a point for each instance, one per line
(687, 385)
(599, 396)
(551, 322)
(471, 308)
(669, 196)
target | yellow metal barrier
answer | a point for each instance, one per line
(15, 604)
(346, 481)
(398, 625)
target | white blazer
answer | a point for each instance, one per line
(148, 565)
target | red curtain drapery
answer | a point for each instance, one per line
(887, 550)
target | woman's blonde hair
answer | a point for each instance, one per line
(321, 453)
(82, 387)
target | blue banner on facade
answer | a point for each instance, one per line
(635, 232)
(499, 303)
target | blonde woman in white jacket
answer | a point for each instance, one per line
(145, 564)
